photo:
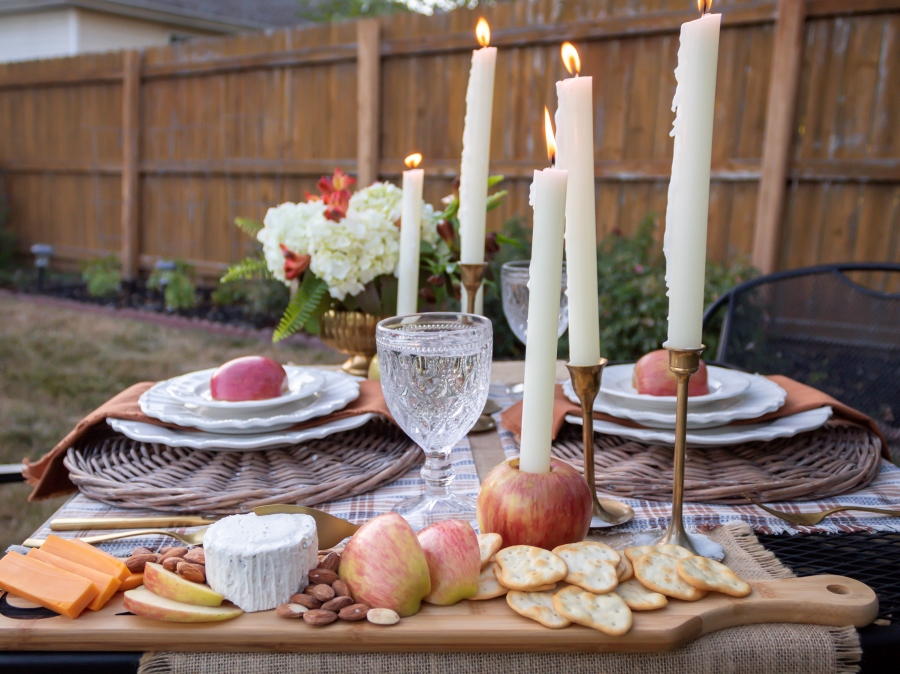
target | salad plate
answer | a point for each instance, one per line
(724, 384)
(193, 390)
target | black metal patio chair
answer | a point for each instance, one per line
(821, 327)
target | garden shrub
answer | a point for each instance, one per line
(102, 275)
(177, 286)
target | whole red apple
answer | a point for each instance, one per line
(385, 567)
(454, 561)
(540, 509)
(248, 378)
(652, 376)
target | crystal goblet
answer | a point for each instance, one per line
(435, 374)
(514, 287)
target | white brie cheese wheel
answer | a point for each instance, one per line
(258, 562)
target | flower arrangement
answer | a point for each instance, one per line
(340, 250)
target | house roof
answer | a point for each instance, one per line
(217, 15)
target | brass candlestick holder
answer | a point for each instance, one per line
(586, 383)
(472, 277)
(684, 363)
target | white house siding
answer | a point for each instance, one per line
(66, 32)
(38, 35)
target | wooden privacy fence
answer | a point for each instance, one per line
(153, 155)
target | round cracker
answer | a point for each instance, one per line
(639, 598)
(625, 570)
(488, 585)
(590, 565)
(675, 551)
(488, 545)
(637, 551)
(538, 606)
(607, 613)
(710, 575)
(525, 567)
(657, 571)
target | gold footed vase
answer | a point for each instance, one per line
(352, 333)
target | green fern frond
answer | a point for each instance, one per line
(248, 226)
(304, 305)
(245, 270)
(494, 200)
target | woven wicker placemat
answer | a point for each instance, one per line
(837, 458)
(131, 474)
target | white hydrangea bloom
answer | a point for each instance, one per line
(386, 198)
(350, 253)
(430, 222)
(288, 224)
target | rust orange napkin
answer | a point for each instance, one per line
(49, 476)
(800, 398)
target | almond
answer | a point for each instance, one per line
(163, 550)
(171, 564)
(322, 592)
(195, 573)
(306, 600)
(136, 563)
(322, 576)
(318, 617)
(337, 604)
(291, 611)
(382, 616)
(173, 552)
(141, 551)
(196, 556)
(341, 589)
(331, 561)
(353, 612)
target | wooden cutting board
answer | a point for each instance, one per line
(488, 626)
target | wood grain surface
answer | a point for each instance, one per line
(489, 626)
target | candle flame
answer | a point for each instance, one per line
(570, 58)
(483, 32)
(704, 6)
(413, 160)
(551, 140)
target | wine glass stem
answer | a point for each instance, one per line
(438, 472)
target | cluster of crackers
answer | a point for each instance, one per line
(600, 586)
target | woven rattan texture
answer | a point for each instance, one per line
(835, 459)
(131, 474)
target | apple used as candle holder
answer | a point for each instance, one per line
(248, 378)
(540, 509)
(454, 561)
(385, 567)
(652, 376)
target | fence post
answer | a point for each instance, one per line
(787, 59)
(368, 75)
(131, 119)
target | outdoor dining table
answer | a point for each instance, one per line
(880, 569)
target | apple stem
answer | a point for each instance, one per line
(438, 472)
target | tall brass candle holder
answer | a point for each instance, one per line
(683, 363)
(472, 277)
(586, 383)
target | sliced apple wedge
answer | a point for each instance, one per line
(172, 586)
(143, 602)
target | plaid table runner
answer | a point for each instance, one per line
(357, 509)
(883, 492)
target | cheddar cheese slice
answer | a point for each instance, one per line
(86, 555)
(133, 581)
(45, 585)
(105, 584)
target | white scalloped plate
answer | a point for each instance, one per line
(724, 384)
(221, 442)
(761, 397)
(193, 389)
(338, 390)
(785, 427)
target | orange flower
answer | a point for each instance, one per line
(294, 265)
(335, 193)
(336, 183)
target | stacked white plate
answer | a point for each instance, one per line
(246, 425)
(732, 396)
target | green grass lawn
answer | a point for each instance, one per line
(58, 364)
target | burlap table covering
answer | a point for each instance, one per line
(754, 649)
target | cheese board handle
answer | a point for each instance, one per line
(836, 601)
